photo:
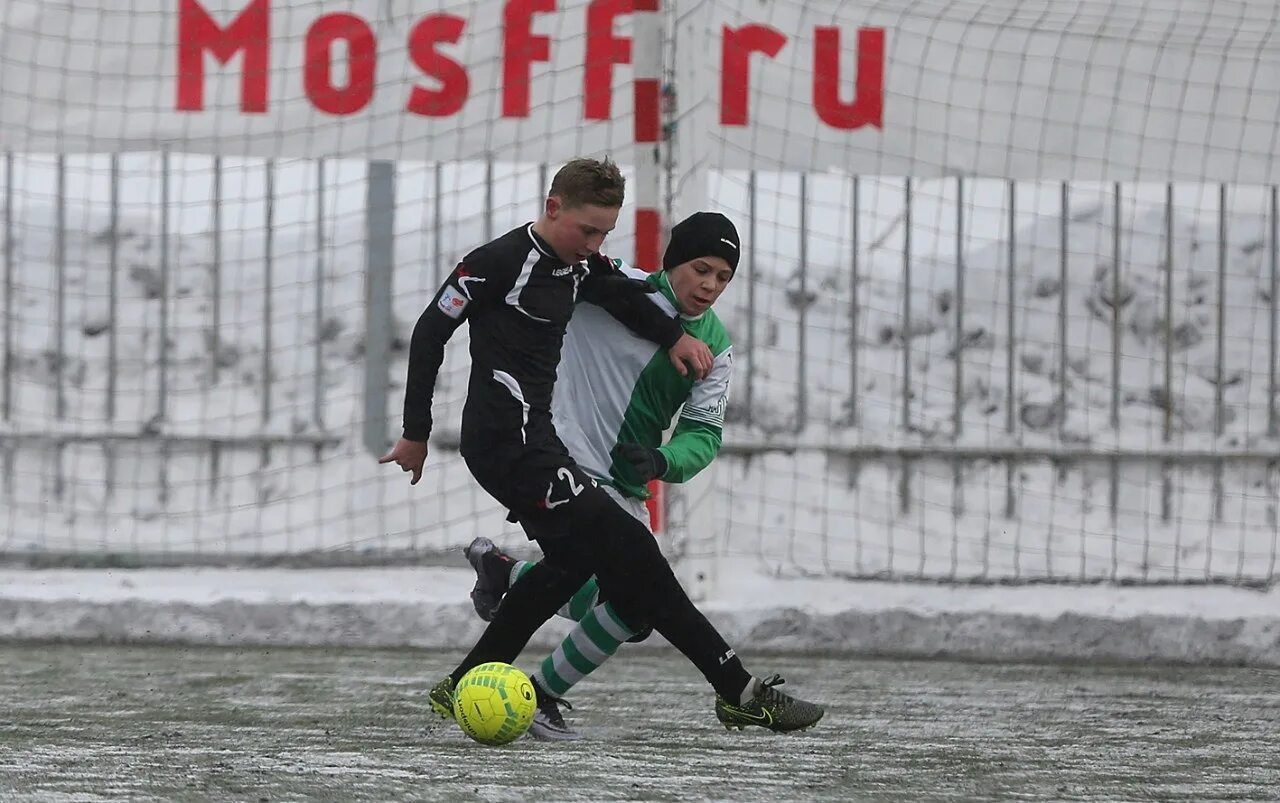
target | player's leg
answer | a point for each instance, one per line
(595, 639)
(639, 583)
(528, 604)
(544, 589)
(525, 488)
(583, 531)
(497, 572)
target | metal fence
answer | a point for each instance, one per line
(288, 350)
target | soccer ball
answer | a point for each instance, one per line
(494, 703)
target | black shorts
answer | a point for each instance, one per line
(545, 490)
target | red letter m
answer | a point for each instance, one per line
(248, 33)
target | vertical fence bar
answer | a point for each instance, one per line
(60, 318)
(1220, 353)
(1274, 313)
(1115, 373)
(957, 487)
(1273, 310)
(268, 280)
(113, 290)
(1011, 356)
(1220, 378)
(904, 489)
(802, 393)
(60, 293)
(6, 320)
(1115, 309)
(1273, 412)
(215, 303)
(215, 312)
(317, 412)
(957, 419)
(853, 305)
(752, 281)
(1063, 250)
(855, 465)
(113, 312)
(379, 263)
(1064, 277)
(162, 413)
(1064, 247)
(1011, 466)
(1166, 486)
(906, 307)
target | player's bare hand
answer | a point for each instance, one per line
(409, 456)
(690, 353)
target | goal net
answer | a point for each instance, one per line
(1006, 311)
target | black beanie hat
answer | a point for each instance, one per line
(702, 234)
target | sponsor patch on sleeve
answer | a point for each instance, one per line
(452, 302)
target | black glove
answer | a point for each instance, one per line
(648, 463)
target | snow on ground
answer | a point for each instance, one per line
(428, 607)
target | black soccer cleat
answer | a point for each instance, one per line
(769, 708)
(493, 572)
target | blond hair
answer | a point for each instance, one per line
(589, 181)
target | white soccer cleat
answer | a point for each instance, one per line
(548, 723)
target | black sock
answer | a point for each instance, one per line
(529, 604)
(642, 588)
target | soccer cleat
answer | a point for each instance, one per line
(548, 724)
(441, 696)
(491, 581)
(769, 708)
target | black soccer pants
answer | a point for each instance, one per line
(591, 534)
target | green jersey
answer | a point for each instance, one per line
(615, 387)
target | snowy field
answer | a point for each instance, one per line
(257, 342)
(89, 724)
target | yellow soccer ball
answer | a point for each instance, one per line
(494, 703)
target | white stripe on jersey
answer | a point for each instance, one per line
(509, 382)
(526, 270)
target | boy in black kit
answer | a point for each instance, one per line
(518, 292)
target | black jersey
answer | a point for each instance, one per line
(518, 296)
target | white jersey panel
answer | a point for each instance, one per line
(599, 368)
(710, 395)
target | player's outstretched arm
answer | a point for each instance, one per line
(465, 288)
(699, 432)
(627, 300)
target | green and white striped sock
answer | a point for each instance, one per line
(595, 639)
(583, 601)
